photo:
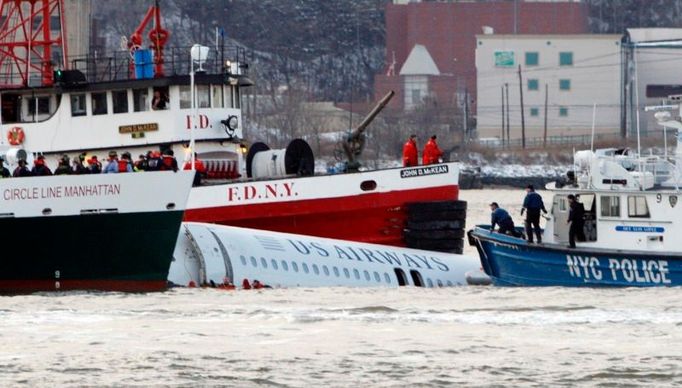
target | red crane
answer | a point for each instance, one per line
(29, 45)
(158, 37)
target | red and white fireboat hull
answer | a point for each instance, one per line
(364, 207)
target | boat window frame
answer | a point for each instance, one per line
(633, 212)
(143, 106)
(114, 101)
(610, 206)
(99, 97)
(78, 97)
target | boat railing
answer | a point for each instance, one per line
(121, 66)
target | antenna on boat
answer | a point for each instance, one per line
(198, 53)
(634, 62)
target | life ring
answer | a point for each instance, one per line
(16, 136)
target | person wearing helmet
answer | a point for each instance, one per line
(21, 170)
(39, 167)
(63, 168)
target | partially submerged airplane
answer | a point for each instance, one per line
(216, 255)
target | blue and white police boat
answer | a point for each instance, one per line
(631, 225)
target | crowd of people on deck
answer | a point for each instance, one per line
(151, 161)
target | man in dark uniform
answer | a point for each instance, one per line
(4, 172)
(576, 219)
(500, 217)
(21, 170)
(532, 205)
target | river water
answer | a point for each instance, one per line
(467, 336)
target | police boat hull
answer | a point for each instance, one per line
(511, 261)
(111, 232)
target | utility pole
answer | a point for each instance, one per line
(466, 113)
(523, 118)
(502, 90)
(506, 91)
(544, 137)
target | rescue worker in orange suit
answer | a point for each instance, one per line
(432, 153)
(39, 167)
(199, 168)
(410, 157)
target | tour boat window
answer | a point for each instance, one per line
(274, 264)
(610, 206)
(78, 105)
(228, 97)
(217, 96)
(140, 100)
(429, 282)
(305, 267)
(185, 97)
(237, 98)
(285, 266)
(563, 204)
(203, 96)
(160, 98)
(440, 283)
(254, 262)
(294, 266)
(120, 100)
(637, 207)
(367, 277)
(346, 272)
(99, 103)
(449, 283)
(325, 270)
(387, 278)
(316, 270)
(42, 103)
(377, 277)
(336, 272)
(263, 262)
(356, 273)
(243, 259)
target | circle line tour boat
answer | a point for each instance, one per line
(623, 208)
(162, 101)
(109, 232)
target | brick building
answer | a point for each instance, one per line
(446, 32)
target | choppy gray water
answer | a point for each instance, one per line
(476, 336)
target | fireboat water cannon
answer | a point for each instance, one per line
(354, 143)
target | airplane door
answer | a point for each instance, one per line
(560, 216)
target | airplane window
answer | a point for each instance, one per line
(377, 277)
(294, 266)
(387, 278)
(367, 276)
(440, 284)
(356, 273)
(305, 267)
(263, 262)
(417, 278)
(315, 269)
(274, 264)
(243, 259)
(254, 262)
(346, 272)
(429, 282)
(326, 270)
(336, 272)
(400, 274)
(285, 266)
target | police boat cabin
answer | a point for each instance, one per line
(626, 225)
(116, 103)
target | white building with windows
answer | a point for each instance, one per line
(570, 72)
